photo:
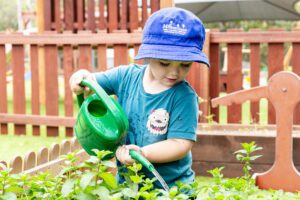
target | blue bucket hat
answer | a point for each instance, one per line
(173, 34)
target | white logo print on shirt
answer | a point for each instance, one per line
(158, 122)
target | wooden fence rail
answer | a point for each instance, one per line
(21, 66)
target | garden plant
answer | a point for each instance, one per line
(93, 179)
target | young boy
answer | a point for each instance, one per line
(161, 106)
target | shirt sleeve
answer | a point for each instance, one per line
(184, 118)
(110, 80)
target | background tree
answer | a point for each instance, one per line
(8, 13)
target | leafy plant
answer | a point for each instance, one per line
(245, 155)
(92, 179)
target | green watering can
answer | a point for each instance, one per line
(102, 124)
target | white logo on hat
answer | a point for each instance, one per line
(174, 28)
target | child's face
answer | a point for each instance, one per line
(169, 72)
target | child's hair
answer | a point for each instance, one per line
(173, 34)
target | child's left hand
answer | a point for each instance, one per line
(123, 156)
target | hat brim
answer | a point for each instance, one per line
(171, 52)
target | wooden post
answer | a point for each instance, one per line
(166, 3)
(204, 82)
(41, 53)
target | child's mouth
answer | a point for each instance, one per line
(172, 80)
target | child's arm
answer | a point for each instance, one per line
(167, 150)
(160, 152)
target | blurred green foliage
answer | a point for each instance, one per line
(8, 13)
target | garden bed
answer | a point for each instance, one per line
(216, 144)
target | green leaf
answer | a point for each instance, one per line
(68, 187)
(239, 157)
(173, 191)
(9, 196)
(102, 192)
(255, 157)
(93, 159)
(85, 196)
(86, 179)
(128, 192)
(135, 179)
(109, 163)
(109, 179)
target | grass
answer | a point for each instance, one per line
(12, 146)
(246, 119)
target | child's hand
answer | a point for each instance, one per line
(123, 156)
(76, 79)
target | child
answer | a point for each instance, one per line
(161, 106)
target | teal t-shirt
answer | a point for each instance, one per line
(172, 113)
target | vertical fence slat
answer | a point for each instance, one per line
(154, 4)
(58, 22)
(74, 144)
(3, 90)
(102, 57)
(29, 160)
(85, 57)
(214, 85)
(136, 50)
(80, 14)
(121, 56)
(236, 77)
(18, 84)
(102, 20)
(69, 14)
(54, 152)
(275, 64)
(47, 15)
(254, 77)
(42, 156)
(65, 147)
(124, 14)
(144, 12)
(113, 15)
(191, 76)
(134, 16)
(295, 62)
(68, 69)
(204, 91)
(203, 85)
(51, 79)
(91, 22)
(16, 164)
(3, 165)
(35, 94)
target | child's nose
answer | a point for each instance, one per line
(175, 70)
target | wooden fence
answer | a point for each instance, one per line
(20, 72)
(98, 15)
(269, 45)
(46, 159)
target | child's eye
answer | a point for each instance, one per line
(164, 64)
(186, 65)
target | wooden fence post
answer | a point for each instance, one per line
(166, 3)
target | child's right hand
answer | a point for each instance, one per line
(76, 79)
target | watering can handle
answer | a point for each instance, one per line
(141, 159)
(101, 94)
